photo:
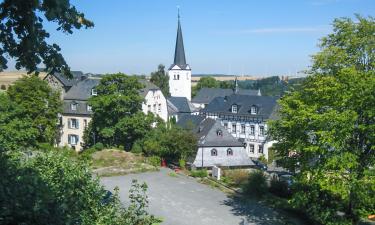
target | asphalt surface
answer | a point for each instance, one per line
(183, 201)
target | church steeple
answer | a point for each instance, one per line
(179, 53)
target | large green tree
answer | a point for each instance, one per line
(327, 128)
(23, 38)
(117, 119)
(160, 78)
(28, 114)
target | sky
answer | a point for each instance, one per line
(242, 37)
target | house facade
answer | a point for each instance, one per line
(245, 118)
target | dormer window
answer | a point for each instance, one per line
(234, 108)
(253, 110)
(94, 92)
(219, 133)
(73, 106)
(89, 109)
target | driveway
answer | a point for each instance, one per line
(183, 201)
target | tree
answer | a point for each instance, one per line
(161, 79)
(326, 130)
(23, 37)
(117, 117)
(50, 188)
(37, 101)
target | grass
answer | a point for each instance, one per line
(172, 174)
(112, 162)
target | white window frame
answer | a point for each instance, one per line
(234, 108)
(94, 92)
(73, 106)
(72, 137)
(70, 123)
(243, 128)
(89, 108)
(260, 149)
(251, 148)
(252, 130)
(261, 130)
(253, 110)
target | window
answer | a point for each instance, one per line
(73, 123)
(174, 76)
(178, 76)
(253, 110)
(229, 152)
(159, 108)
(73, 139)
(89, 108)
(251, 148)
(154, 108)
(226, 126)
(234, 128)
(213, 152)
(73, 106)
(261, 130)
(219, 133)
(260, 149)
(149, 108)
(85, 123)
(234, 108)
(252, 130)
(243, 127)
(94, 92)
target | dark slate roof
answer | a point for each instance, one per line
(81, 107)
(179, 54)
(206, 95)
(148, 87)
(207, 134)
(189, 121)
(182, 104)
(67, 82)
(82, 90)
(266, 105)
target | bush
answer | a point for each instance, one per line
(256, 184)
(182, 163)
(98, 146)
(199, 173)
(279, 188)
(154, 160)
(238, 177)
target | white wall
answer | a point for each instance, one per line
(156, 98)
(180, 87)
(222, 159)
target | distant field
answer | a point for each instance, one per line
(7, 78)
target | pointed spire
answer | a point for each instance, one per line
(235, 86)
(179, 54)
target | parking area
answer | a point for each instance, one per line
(182, 200)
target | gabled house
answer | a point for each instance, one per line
(216, 146)
(180, 106)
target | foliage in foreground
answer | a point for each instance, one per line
(327, 128)
(50, 188)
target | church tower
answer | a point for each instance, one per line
(179, 72)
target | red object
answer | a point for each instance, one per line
(163, 163)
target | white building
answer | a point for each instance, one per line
(180, 72)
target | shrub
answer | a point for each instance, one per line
(182, 163)
(256, 184)
(238, 177)
(199, 173)
(98, 146)
(154, 160)
(279, 188)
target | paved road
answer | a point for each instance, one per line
(183, 201)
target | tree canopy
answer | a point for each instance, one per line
(160, 78)
(326, 131)
(23, 38)
(117, 117)
(28, 114)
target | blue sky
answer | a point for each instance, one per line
(239, 37)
